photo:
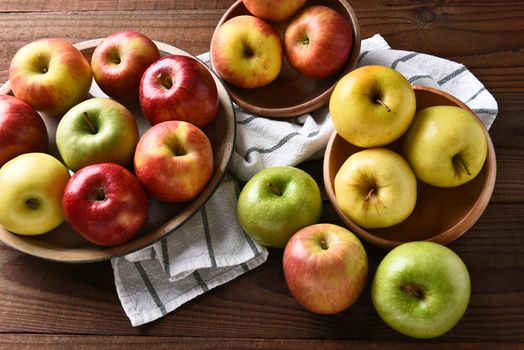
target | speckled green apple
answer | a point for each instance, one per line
(276, 203)
(98, 130)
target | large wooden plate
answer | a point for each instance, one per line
(65, 245)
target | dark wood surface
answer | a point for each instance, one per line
(48, 305)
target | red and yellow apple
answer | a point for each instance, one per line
(273, 10)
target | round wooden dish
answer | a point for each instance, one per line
(292, 93)
(65, 245)
(441, 215)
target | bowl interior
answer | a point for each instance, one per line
(63, 244)
(292, 93)
(441, 214)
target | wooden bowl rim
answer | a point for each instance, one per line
(74, 255)
(447, 236)
(317, 101)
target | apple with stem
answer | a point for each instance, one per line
(318, 41)
(421, 289)
(446, 146)
(50, 75)
(22, 130)
(376, 188)
(325, 267)
(119, 61)
(372, 106)
(247, 52)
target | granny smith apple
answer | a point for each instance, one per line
(98, 130)
(376, 188)
(372, 106)
(32, 188)
(325, 267)
(421, 289)
(446, 146)
(276, 203)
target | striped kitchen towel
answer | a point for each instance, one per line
(211, 248)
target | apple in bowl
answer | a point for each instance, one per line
(273, 10)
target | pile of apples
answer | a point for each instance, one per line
(115, 170)
(248, 52)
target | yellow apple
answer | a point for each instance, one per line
(376, 188)
(372, 106)
(446, 146)
(247, 52)
(32, 188)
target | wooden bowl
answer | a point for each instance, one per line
(292, 93)
(441, 215)
(64, 245)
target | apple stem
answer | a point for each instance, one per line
(413, 290)
(32, 203)
(383, 104)
(274, 189)
(88, 121)
(323, 244)
(100, 194)
(461, 163)
(370, 194)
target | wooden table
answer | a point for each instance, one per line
(51, 305)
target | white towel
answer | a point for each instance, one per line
(211, 249)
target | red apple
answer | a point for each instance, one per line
(178, 87)
(325, 267)
(22, 130)
(105, 204)
(273, 10)
(119, 61)
(50, 75)
(318, 41)
(174, 161)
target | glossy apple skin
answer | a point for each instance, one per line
(318, 41)
(247, 52)
(446, 146)
(178, 87)
(174, 161)
(105, 204)
(376, 188)
(273, 10)
(119, 61)
(276, 203)
(325, 267)
(359, 118)
(22, 130)
(32, 188)
(50, 75)
(113, 139)
(421, 289)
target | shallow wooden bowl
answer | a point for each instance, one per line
(441, 215)
(292, 93)
(65, 245)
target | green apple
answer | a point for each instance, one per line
(372, 106)
(276, 203)
(98, 130)
(376, 188)
(32, 187)
(446, 146)
(421, 289)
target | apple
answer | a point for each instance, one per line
(178, 87)
(273, 10)
(98, 130)
(376, 188)
(119, 61)
(421, 289)
(105, 204)
(325, 267)
(276, 203)
(247, 52)
(22, 130)
(50, 75)
(372, 106)
(174, 161)
(445, 145)
(32, 187)
(318, 41)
